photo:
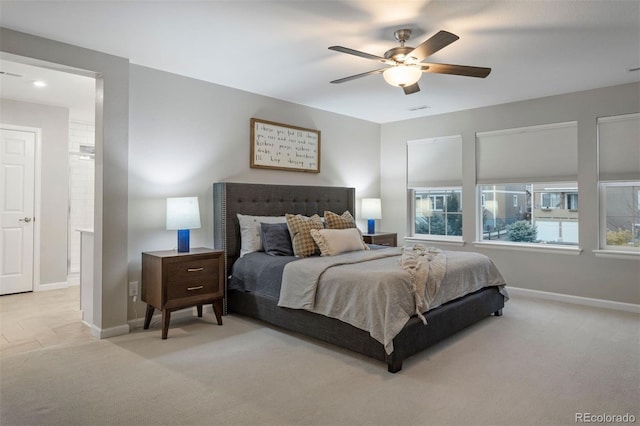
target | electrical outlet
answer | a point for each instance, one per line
(133, 288)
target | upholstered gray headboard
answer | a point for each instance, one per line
(269, 200)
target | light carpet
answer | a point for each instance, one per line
(540, 363)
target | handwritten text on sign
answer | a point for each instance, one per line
(279, 146)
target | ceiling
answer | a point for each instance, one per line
(279, 48)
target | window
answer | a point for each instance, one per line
(571, 200)
(619, 182)
(434, 188)
(531, 221)
(437, 212)
(621, 228)
(527, 184)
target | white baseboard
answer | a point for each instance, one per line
(598, 303)
(105, 333)
(73, 279)
(183, 313)
(53, 286)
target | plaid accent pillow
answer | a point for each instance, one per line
(301, 239)
(345, 221)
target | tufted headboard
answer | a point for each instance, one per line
(269, 200)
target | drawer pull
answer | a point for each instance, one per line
(195, 288)
(195, 269)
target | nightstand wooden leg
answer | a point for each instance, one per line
(147, 316)
(166, 317)
(217, 309)
(199, 307)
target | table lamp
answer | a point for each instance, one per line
(183, 214)
(371, 210)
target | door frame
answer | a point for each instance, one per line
(36, 197)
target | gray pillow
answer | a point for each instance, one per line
(276, 239)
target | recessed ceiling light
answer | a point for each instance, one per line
(39, 83)
(418, 108)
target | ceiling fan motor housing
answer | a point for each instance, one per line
(398, 54)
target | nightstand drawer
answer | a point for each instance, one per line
(385, 241)
(192, 270)
(183, 290)
(192, 278)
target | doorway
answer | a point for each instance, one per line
(76, 96)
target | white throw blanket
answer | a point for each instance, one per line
(426, 267)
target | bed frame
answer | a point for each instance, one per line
(276, 200)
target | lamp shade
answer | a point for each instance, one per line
(402, 75)
(183, 213)
(371, 210)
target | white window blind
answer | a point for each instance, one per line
(619, 147)
(547, 153)
(435, 162)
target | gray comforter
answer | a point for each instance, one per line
(371, 291)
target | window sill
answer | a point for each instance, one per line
(539, 248)
(445, 241)
(617, 254)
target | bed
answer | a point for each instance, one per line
(231, 199)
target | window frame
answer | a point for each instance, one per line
(603, 247)
(534, 246)
(411, 196)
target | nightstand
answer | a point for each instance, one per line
(381, 238)
(173, 281)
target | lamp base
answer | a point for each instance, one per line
(371, 226)
(183, 240)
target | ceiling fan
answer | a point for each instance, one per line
(405, 64)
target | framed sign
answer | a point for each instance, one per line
(283, 147)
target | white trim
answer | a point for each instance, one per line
(105, 333)
(52, 286)
(527, 129)
(532, 247)
(618, 254)
(623, 117)
(458, 243)
(578, 300)
(73, 279)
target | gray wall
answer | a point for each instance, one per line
(112, 139)
(54, 181)
(186, 134)
(584, 275)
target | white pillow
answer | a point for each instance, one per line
(337, 241)
(250, 239)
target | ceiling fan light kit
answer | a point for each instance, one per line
(404, 63)
(402, 75)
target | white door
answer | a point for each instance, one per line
(17, 189)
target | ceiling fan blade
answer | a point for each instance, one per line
(463, 70)
(358, 53)
(414, 88)
(353, 77)
(432, 45)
